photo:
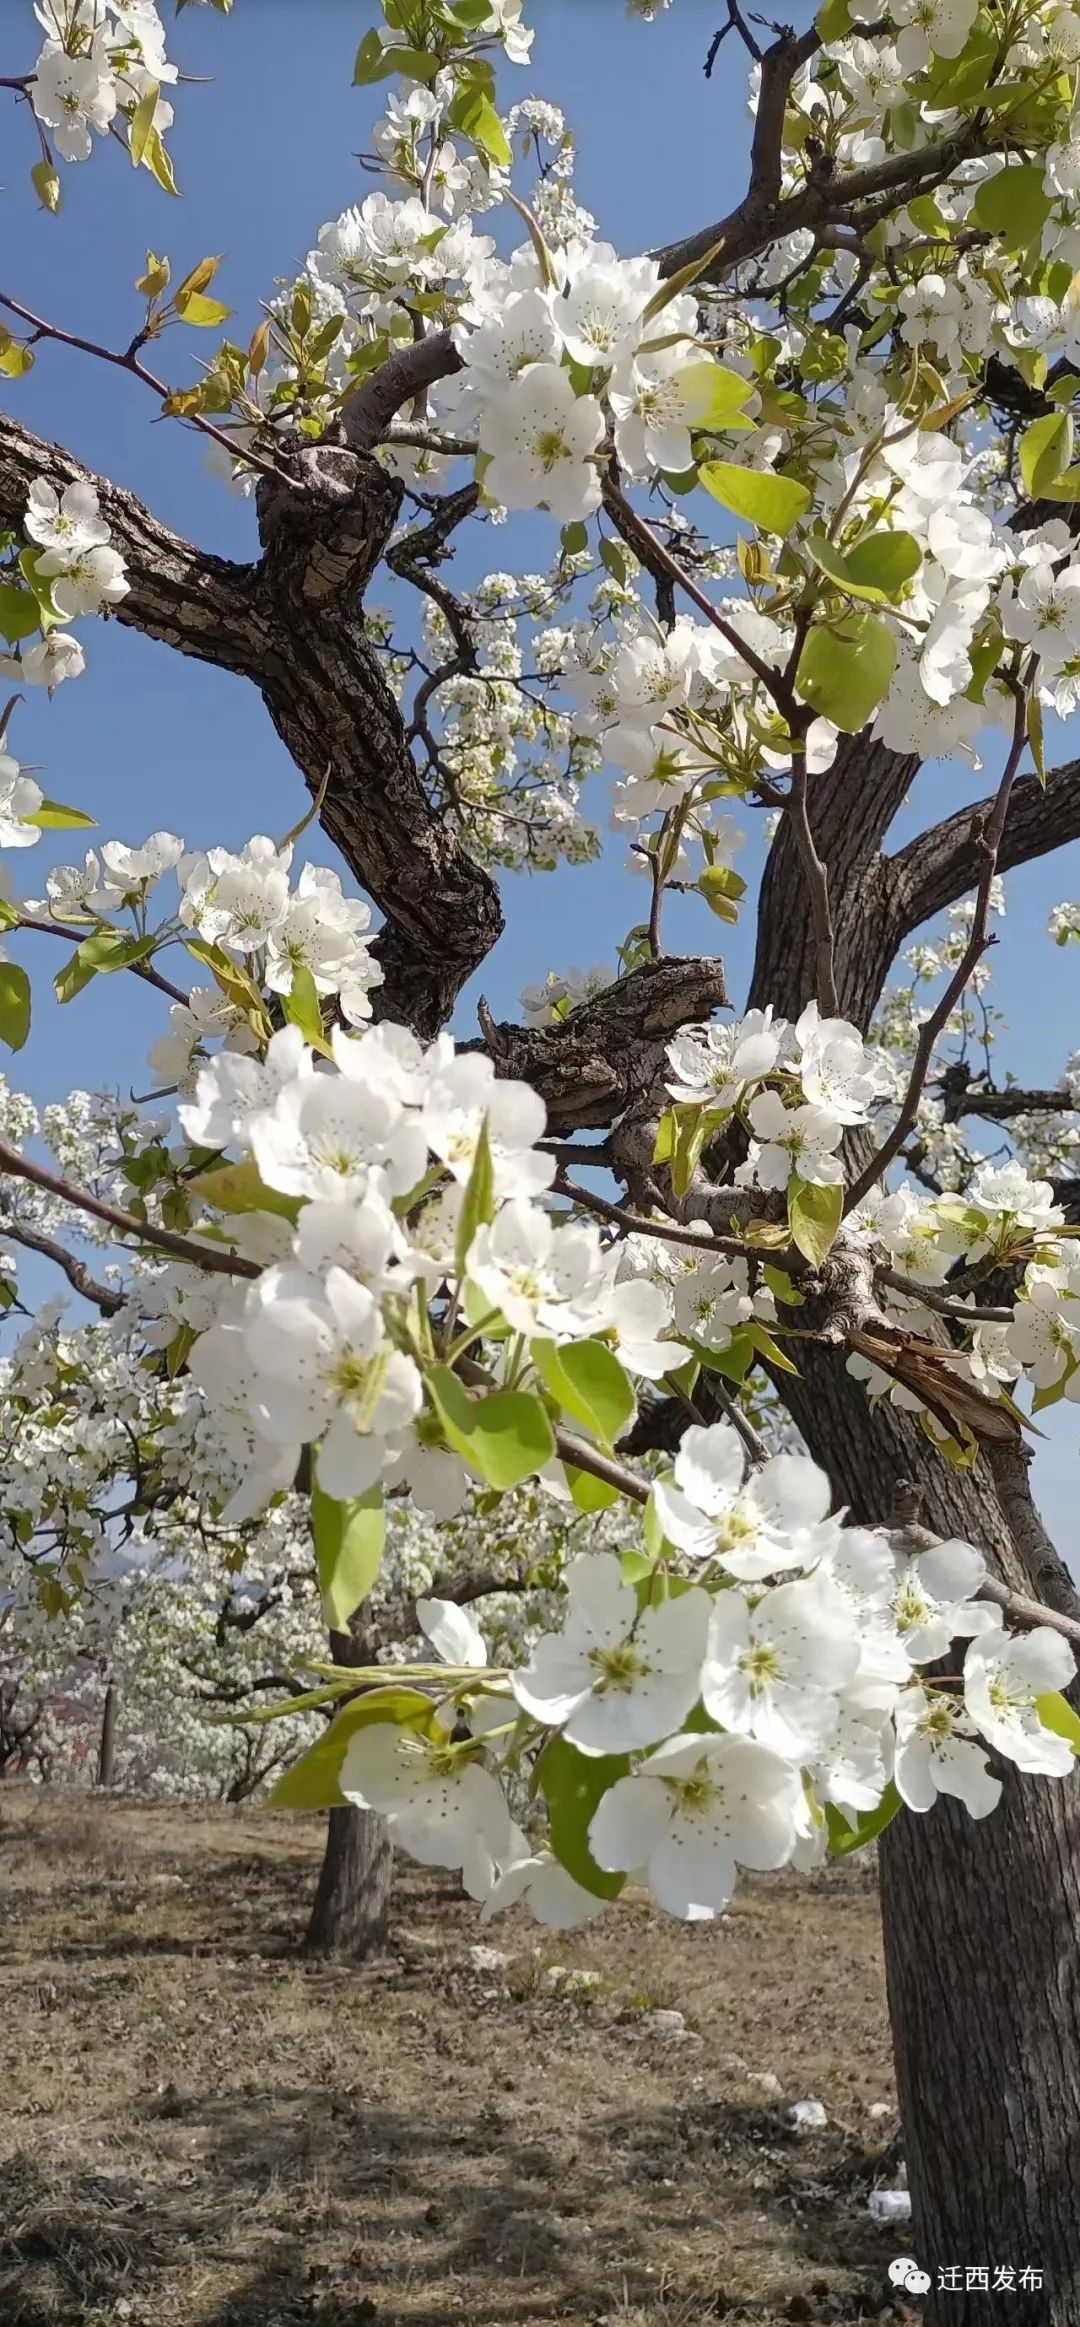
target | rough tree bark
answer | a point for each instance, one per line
(981, 1920)
(351, 1910)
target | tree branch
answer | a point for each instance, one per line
(102, 1297)
(989, 847)
(216, 1259)
(943, 864)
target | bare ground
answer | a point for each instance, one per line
(199, 2129)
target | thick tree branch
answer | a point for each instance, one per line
(590, 1066)
(292, 626)
(203, 605)
(943, 864)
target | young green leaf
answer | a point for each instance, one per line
(1056, 1713)
(589, 1384)
(573, 1785)
(761, 496)
(52, 816)
(814, 1216)
(312, 1782)
(878, 568)
(1012, 205)
(505, 1437)
(106, 950)
(302, 1009)
(236, 1187)
(1045, 451)
(478, 1202)
(349, 1540)
(14, 1005)
(844, 1838)
(845, 668)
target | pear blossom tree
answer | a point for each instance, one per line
(808, 482)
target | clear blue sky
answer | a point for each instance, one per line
(265, 152)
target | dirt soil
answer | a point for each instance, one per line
(201, 2129)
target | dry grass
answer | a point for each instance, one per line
(200, 2130)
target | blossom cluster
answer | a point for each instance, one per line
(69, 569)
(101, 59)
(759, 1678)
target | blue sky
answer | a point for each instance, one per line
(265, 151)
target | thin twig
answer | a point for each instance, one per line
(78, 1275)
(74, 936)
(647, 546)
(632, 1225)
(127, 360)
(942, 1302)
(989, 844)
(216, 1260)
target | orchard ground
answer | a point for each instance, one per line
(201, 2129)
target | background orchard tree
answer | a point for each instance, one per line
(806, 486)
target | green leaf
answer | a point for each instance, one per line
(14, 1005)
(845, 669)
(574, 538)
(15, 357)
(1056, 1713)
(844, 1838)
(506, 1437)
(1045, 450)
(814, 1215)
(613, 558)
(142, 122)
(52, 816)
(196, 308)
(781, 1287)
(573, 1785)
(760, 496)
(1064, 488)
(45, 180)
(156, 160)
(721, 889)
(1012, 205)
(349, 1540)
(770, 1350)
(237, 1187)
(312, 1782)
(20, 616)
(878, 568)
(474, 115)
(302, 1009)
(373, 62)
(9, 914)
(589, 1384)
(833, 21)
(106, 950)
(478, 1203)
(589, 1494)
(734, 1362)
(715, 397)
